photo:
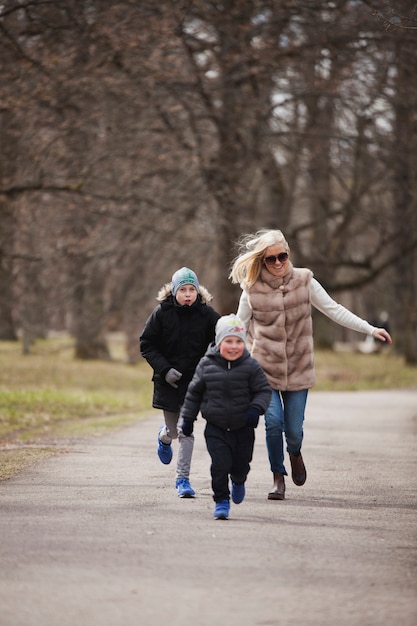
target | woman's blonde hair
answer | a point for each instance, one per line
(247, 265)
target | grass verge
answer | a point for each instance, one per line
(353, 371)
(48, 400)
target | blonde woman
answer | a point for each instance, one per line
(275, 306)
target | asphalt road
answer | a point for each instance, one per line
(97, 535)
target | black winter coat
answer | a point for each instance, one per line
(223, 390)
(176, 336)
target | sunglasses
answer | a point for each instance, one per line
(281, 257)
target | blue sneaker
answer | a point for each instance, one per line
(184, 488)
(238, 492)
(164, 450)
(221, 510)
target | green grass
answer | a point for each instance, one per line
(352, 371)
(44, 388)
(48, 398)
(29, 410)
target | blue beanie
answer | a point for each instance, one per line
(184, 276)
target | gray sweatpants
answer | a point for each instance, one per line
(185, 444)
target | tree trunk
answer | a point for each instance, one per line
(405, 196)
(7, 224)
(89, 314)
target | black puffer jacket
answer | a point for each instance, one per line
(223, 390)
(176, 336)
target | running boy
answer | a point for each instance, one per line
(231, 390)
(175, 337)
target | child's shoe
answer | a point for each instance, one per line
(238, 492)
(184, 488)
(164, 450)
(221, 510)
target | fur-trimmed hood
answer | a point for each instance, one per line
(166, 291)
(176, 337)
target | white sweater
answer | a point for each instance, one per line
(323, 302)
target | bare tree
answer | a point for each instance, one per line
(96, 145)
(140, 137)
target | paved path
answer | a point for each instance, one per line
(98, 536)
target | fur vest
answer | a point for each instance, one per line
(280, 333)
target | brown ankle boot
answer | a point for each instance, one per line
(299, 472)
(278, 490)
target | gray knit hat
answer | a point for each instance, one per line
(184, 276)
(229, 325)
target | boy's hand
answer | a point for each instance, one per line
(187, 427)
(172, 377)
(251, 417)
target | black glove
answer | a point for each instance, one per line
(172, 377)
(251, 417)
(187, 427)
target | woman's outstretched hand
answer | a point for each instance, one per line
(382, 335)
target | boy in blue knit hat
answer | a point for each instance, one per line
(175, 337)
(231, 391)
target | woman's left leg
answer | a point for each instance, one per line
(294, 409)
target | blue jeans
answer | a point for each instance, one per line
(285, 415)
